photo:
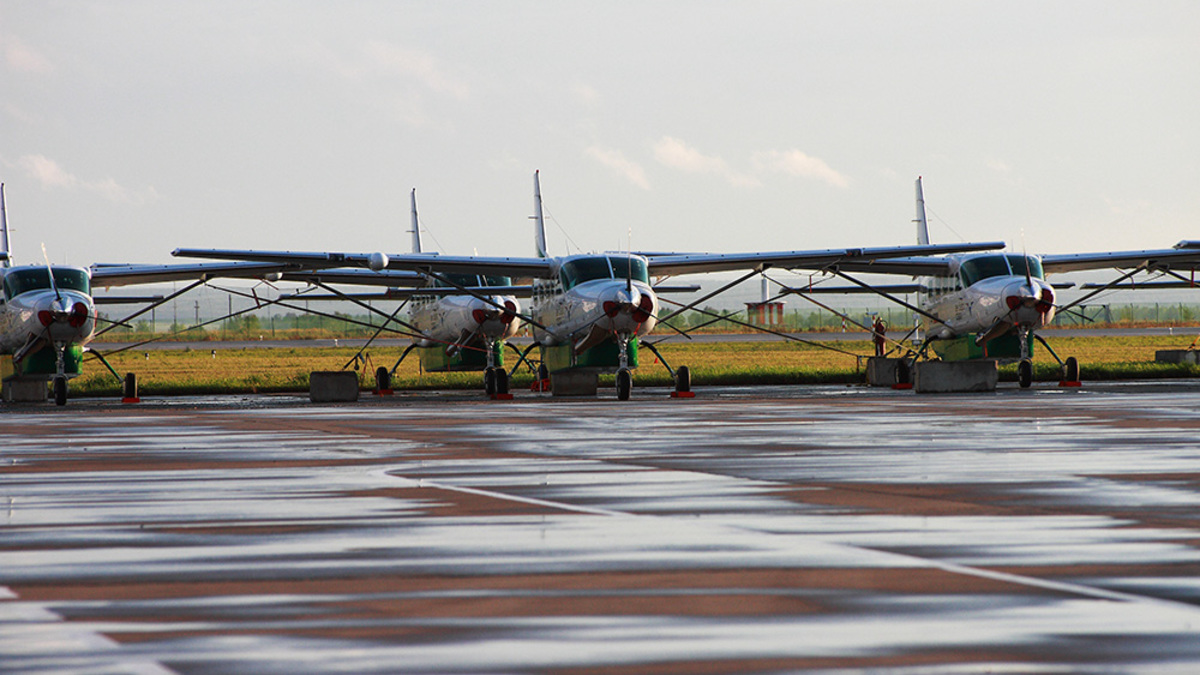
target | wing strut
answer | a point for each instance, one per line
(1100, 290)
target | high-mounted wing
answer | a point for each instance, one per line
(125, 275)
(889, 260)
(1179, 258)
(501, 266)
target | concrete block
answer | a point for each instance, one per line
(1176, 356)
(25, 391)
(882, 371)
(333, 386)
(574, 382)
(955, 376)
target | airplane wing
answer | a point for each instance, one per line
(882, 259)
(1179, 258)
(502, 266)
(104, 275)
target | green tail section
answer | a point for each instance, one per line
(434, 359)
(964, 348)
(604, 356)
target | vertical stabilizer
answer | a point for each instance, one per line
(922, 226)
(4, 250)
(416, 225)
(539, 232)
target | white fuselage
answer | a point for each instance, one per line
(992, 304)
(456, 319)
(592, 298)
(29, 315)
(617, 306)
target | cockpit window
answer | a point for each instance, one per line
(497, 281)
(634, 268)
(21, 281)
(579, 270)
(1020, 263)
(468, 280)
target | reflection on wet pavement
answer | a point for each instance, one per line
(768, 530)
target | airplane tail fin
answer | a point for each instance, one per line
(539, 232)
(922, 226)
(4, 250)
(416, 225)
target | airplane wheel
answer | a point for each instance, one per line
(60, 390)
(1025, 373)
(903, 372)
(489, 381)
(683, 379)
(501, 381)
(543, 373)
(624, 384)
(1071, 369)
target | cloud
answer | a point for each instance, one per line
(48, 172)
(418, 65)
(613, 159)
(796, 163)
(676, 154)
(22, 58)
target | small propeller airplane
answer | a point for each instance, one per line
(990, 305)
(588, 310)
(48, 312)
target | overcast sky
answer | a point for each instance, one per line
(131, 128)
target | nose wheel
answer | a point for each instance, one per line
(1025, 373)
(624, 384)
(60, 390)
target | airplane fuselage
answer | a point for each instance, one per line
(34, 314)
(989, 294)
(594, 297)
(459, 321)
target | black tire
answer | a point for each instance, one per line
(1071, 369)
(60, 390)
(501, 381)
(383, 378)
(489, 381)
(543, 373)
(683, 379)
(624, 384)
(903, 372)
(1025, 373)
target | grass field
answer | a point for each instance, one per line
(204, 371)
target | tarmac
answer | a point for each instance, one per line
(771, 529)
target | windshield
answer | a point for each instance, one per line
(21, 281)
(977, 269)
(621, 269)
(1021, 263)
(579, 270)
(497, 281)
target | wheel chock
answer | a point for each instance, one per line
(383, 392)
(683, 394)
(1070, 383)
(903, 385)
(502, 397)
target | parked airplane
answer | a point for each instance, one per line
(589, 310)
(48, 313)
(465, 326)
(989, 305)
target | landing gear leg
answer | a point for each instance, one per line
(1025, 367)
(624, 377)
(60, 377)
(1070, 367)
(681, 375)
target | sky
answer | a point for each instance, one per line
(131, 128)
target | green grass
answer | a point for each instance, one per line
(199, 371)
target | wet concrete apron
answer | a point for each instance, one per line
(746, 530)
